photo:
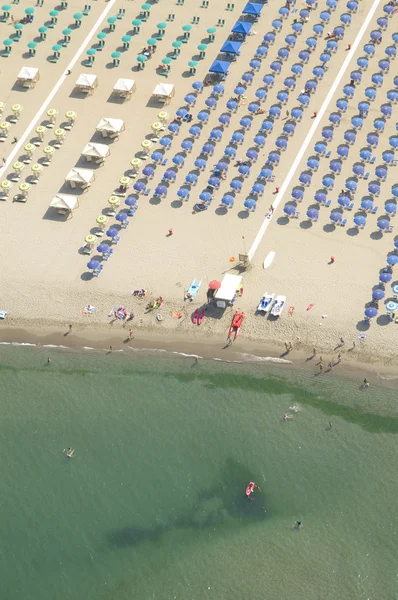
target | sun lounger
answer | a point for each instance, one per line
(374, 210)
(350, 206)
(278, 305)
(265, 302)
(328, 203)
(343, 223)
(296, 215)
(199, 206)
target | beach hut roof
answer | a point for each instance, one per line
(252, 8)
(166, 90)
(231, 47)
(242, 27)
(96, 150)
(86, 80)
(124, 85)
(29, 73)
(65, 201)
(80, 175)
(219, 66)
(112, 125)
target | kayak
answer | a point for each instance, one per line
(236, 324)
(250, 488)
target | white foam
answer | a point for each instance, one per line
(272, 359)
(187, 355)
(54, 346)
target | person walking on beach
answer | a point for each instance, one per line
(320, 367)
(342, 342)
(339, 358)
(131, 334)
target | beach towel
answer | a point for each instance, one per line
(89, 310)
(176, 315)
(309, 307)
(291, 311)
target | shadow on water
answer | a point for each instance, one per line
(218, 506)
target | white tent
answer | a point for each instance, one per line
(82, 177)
(64, 203)
(164, 92)
(28, 77)
(227, 291)
(124, 88)
(110, 126)
(97, 151)
(87, 83)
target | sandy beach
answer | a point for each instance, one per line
(45, 280)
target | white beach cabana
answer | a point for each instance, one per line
(96, 152)
(164, 92)
(110, 127)
(65, 204)
(86, 83)
(124, 88)
(226, 293)
(28, 77)
(80, 177)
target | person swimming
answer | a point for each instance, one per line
(70, 452)
(287, 417)
(250, 489)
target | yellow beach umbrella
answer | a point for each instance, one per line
(60, 133)
(24, 187)
(5, 125)
(40, 130)
(37, 169)
(114, 201)
(90, 239)
(157, 126)
(18, 166)
(102, 219)
(124, 180)
(146, 144)
(49, 150)
(51, 114)
(29, 148)
(163, 116)
(71, 115)
(17, 109)
(6, 184)
(135, 162)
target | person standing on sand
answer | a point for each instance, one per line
(131, 334)
(70, 328)
(365, 383)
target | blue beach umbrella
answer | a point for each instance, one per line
(227, 200)
(392, 95)
(250, 204)
(313, 163)
(274, 157)
(363, 107)
(191, 178)
(269, 37)
(237, 136)
(139, 186)
(254, 63)
(297, 69)
(214, 181)
(224, 119)
(393, 141)
(385, 277)
(331, 45)
(384, 64)
(281, 143)
(392, 259)
(276, 66)
(183, 193)
(375, 35)
(203, 115)
(101, 249)
(320, 147)
(303, 99)
(253, 107)
(205, 196)
(161, 190)
(370, 312)
(372, 139)
(343, 150)
(318, 72)
(343, 200)
(275, 110)
(367, 203)
(350, 136)
(379, 124)
(200, 163)
(297, 193)
(289, 82)
(244, 169)
(259, 140)
(122, 216)
(236, 184)
(325, 57)
(391, 51)
(334, 118)
(268, 79)
(369, 49)
(266, 173)
(291, 40)
(258, 188)
(93, 264)
(131, 201)
(156, 156)
(391, 207)
(174, 128)
(312, 213)
(277, 24)
(311, 42)
(383, 224)
(252, 154)
(215, 134)
(305, 178)
(342, 104)
(374, 188)
(320, 197)
(304, 55)
(190, 99)
(381, 172)
(351, 185)
(112, 232)
(247, 77)
(339, 31)
(210, 102)
(289, 209)
(232, 105)
(282, 96)
(297, 112)
(345, 18)
(195, 130)
(186, 145)
(283, 53)
(335, 165)
(357, 122)
(148, 171)
(325, 16)
(181, 112)
(169, 174)
(318, 29)
(358, 169)
(261, 94)
(289, 128)
(360, 220)
(328, 181)
(365, 154)
(165, 141)
(297, 27)
(349, 90)
(336, 216)
(178, 159)
(362, 62)
(262, 51)
(327, 133)
(207, 148)
(197, 85)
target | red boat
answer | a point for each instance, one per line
(236, 324)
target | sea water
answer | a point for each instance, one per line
(152, 505)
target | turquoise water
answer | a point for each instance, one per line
(152, 504)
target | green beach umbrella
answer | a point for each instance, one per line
(101, 35)
(32, 45)
(151, 42)
(177, 44)
(126, 39)
(136, 22)
(146, 6)
(8, 42)
(29, 11)
(161, 25)
(66, 31)
(6, 7)
(91, 52)
(193, 63)
(141, 58)
(18, 26)
(212, 30)
(111, 20)
(78, 16)
(43, 29)
(202, 47)
(57, 48)
(116, 54)
(166, 60)
(186, 27)
(54, 13)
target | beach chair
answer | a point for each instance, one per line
(296, 215)
(194, 288)
(200, 206)
(116, 239)
(390, 229)
(146, 192)
(265, 302)
(124, 223)
(87, 249)
(372, 160)
(327, 155)
(328, 203)
(107, 254)
(366, 176)
(350, 206)
(374, 210)
(343, 223)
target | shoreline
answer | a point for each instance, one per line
(355, 364)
